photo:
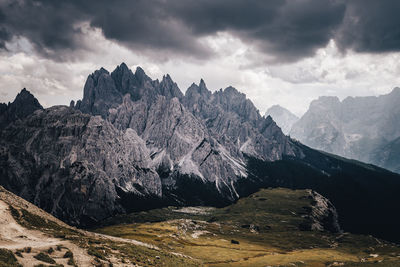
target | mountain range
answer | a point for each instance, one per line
(361, 128)
(283, 117)
(133, 143)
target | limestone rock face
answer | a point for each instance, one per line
(73, 164)
(283, 117)
(201, 135)
(99, 94)
(179, 143)
(357, 127)
(323, 215)
(235, 122)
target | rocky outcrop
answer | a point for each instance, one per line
(323, 215)
(235, 122)
(283, 117)
(74, 165)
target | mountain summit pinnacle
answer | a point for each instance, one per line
(23, 105)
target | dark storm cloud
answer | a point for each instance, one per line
(287, 29)
(48, 25)
(146, 24)
(371, 26)
(52, 26)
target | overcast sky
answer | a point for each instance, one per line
(276, 52)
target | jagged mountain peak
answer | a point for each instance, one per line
(325, 102)
(121, 69)
(167, 79)
(141, 75)
(169, 88)
(23, 105)
(202, 84)
(25, 96)
(203, 88)
(232, 91)
(123, 66)
(283, 117)
(200, 89)
(278, 109)
(139, 71)
(97, 73)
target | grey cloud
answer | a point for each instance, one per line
(371, 26)
(48, 25)
(286, 29)
(52, 25)
(147, 24)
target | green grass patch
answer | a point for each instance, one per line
(267, 226)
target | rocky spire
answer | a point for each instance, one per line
(23, 105)
(100, 93)
(169, 88)
(141, 76)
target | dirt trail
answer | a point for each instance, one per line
(13, 236)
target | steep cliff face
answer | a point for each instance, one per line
(202, 135)
(235, 122)
(180, 145)
(73, 164)
(321, 128)
(357, 127)
(323, 214)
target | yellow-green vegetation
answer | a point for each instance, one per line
(101, 248)
(7, 259)
(263, 229)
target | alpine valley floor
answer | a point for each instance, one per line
(272, 227)
(268, 228)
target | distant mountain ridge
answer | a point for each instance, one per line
(133, 143)
(357, 127)
(283, 117)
